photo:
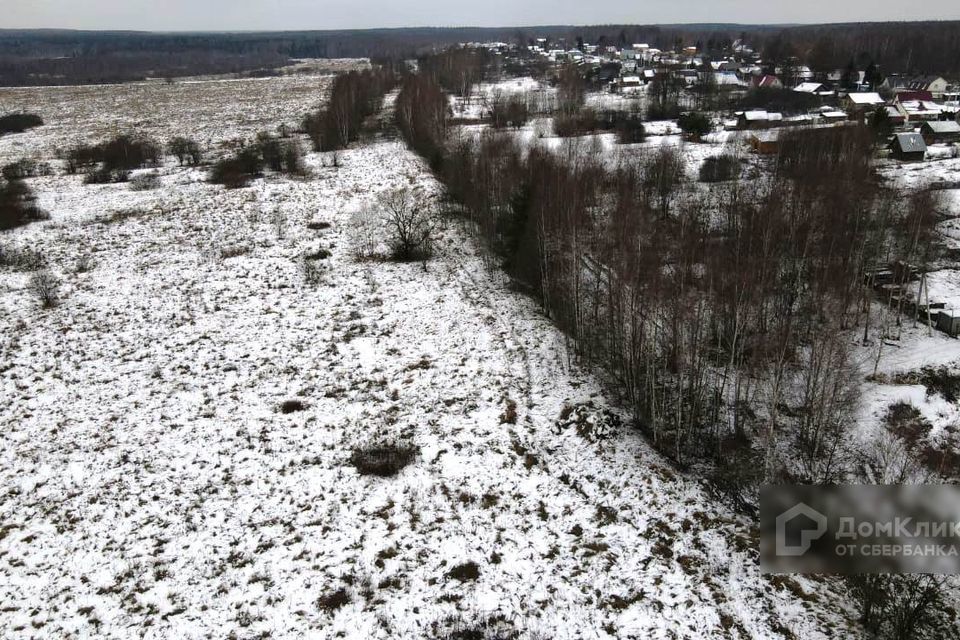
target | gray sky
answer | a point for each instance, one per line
(222, 15)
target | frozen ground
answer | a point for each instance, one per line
(150, 486)
(212, 111)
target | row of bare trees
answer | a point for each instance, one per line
(724, 314)
(354, 97)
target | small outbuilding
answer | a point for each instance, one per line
(909, 147)
(939, 131)
(949, 322)
(765, 143)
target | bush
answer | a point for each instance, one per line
(411, 226)
(630, 130)
(383, 460)
(334, 600)
(292, 406)
(21, 259)
(103, 175)
(663, 111)
(22, 169)
(466, 572)
(46, 287)
(19, 122)
(145, 182)
(114, 158)
(695, 125)
(80, 158)
(280, 156)
(267, 152)
(902, 607)
(128, 152)
(186, 151)
(575, 123)
(238, 170)
(720, 169)
(512, 111)
(17, 206)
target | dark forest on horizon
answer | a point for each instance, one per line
(61, 57)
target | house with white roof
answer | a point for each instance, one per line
(862, 102)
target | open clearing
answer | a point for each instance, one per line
(176, 457)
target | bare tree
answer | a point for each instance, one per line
(46, 287)
(411, 224)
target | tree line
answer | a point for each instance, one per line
(354, 97)
(722, 315)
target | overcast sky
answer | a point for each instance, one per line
(225, 15)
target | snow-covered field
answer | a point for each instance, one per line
(213, 111)
(151, 486)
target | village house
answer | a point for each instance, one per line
(940, 131)
(935, 85)
(752, 120)
(919, 110)
(897, 118)
(628, 84)
(860, 103)
(767, 82)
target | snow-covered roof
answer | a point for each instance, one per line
(866, 98)
(808, 87)
(756, 116)
(947, 126)
(911, 142)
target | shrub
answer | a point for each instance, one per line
(19, 122)
(384, 460)
(902, 607)
(511, 111)
(237, 171)
(267, 152)
(22, 169)
(695, 125)
(113, 159)
(103, 175)
(663, 111)
(630, 130)
(80, 158)
(234, 251)
(312, 272)
(410, 224)
(720, 169)
(319, 254)
(46, 287)
(292, 406)
(128, 152)
(17, 206)
(186, 151)
(145, 182)
(280, 156)
(466, 572)
(21, 259)
(334, 600)
(575, 123)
